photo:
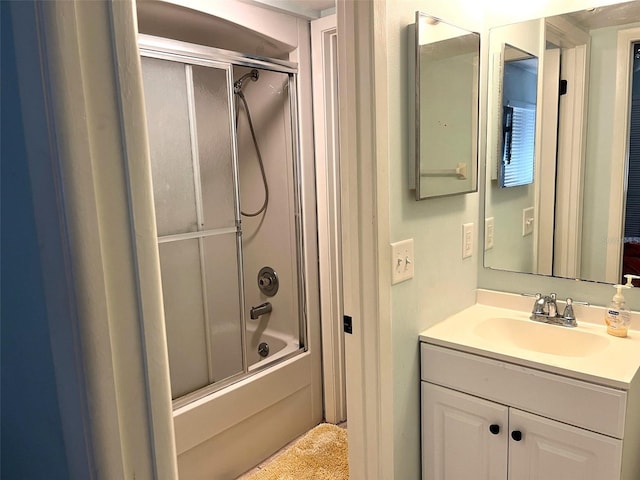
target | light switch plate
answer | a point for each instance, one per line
(401, 261)
(488, 233)
(467, 240)
(527, 221)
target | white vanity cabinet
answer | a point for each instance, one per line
(484, 418)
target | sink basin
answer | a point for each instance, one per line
(541, 337)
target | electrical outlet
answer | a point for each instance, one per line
(467, 240)
(402, 261)
(527, 221)
(488, 233)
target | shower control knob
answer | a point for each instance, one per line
(268, 281)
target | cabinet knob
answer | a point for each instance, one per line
(516, 435)
(494, 428)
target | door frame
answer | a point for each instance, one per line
(364, 168)
(325, 113)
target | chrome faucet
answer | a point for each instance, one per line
(263, 309)
(545, 309)
(551, 305)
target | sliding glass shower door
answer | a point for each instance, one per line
(195, 192)
(204, 259)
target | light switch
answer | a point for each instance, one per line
(527, 221)
(467, 240)
(401, 261)
(488, 233)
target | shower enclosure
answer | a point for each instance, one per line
(225, 166)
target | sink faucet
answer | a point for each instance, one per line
(551, 305)
(545, 309)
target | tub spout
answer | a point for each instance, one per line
(257, 312)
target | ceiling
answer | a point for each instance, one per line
(309, 9)
(617, 14)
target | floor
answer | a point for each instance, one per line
(262, 465)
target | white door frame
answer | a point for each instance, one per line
(619, 155)
(546, 171)
(571, 146)
(571, 163)
(364, 169)
(325, 113)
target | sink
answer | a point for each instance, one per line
(541, 337)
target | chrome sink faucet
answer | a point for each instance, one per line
(545, 309)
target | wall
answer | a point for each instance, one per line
(269, 239)
(32, 433)
(436, 228)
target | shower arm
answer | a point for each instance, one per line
(237, 85)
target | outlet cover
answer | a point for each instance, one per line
(488, 233)
(402, 261)
(467, 240)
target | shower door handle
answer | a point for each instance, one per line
(257, 312)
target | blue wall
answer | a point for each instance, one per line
(32, 442)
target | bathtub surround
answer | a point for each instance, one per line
(258, 350)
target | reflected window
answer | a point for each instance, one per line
(519, 132)
(519, 95)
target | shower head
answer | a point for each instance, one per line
(253, 75)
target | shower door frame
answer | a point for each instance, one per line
(193, 54)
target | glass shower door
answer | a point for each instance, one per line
(195, 194)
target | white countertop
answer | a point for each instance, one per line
(615, 363)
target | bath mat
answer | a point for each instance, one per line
(321, 454)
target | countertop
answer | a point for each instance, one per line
(615, 363)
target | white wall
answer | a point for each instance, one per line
(444, 282)
(270, 238)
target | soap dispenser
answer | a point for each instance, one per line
(630, 278)
(618, 316)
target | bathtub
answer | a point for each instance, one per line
(231, 430)
(280, 345)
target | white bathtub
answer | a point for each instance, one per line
(217, 435)
(280, 346)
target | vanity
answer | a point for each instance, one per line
(504, 397)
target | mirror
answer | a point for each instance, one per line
(580, 215)
(519, 82)
(445, 59)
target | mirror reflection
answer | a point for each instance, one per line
(580, 215)
(446, 114)
(519, 92)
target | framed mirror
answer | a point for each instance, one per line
(445, 81)
(580, 216)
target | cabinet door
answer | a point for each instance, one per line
(458, 440)
(550, 450)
